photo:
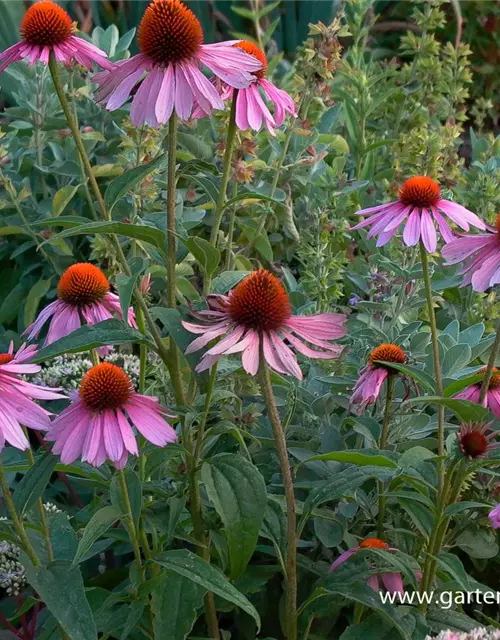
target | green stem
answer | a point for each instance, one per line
(358, 613)
(130, 524)
(226, 174)
(143, 351)
(171, 191)
(491, 365)
(384, 439)
(435, 350)
(286, 472)
(17, 520)
(230, 232)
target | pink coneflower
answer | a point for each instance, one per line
(480, 256)
(475, 441)
(97, 424)
(421, 205)
(47, 29)
(16, 398)
(369, 384)
(170, 39)
(492, 399)
(83, 295)
(251, 110)
(257, 313)
(392, 582)
(494, 516)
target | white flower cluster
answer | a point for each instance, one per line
(50, 507)
(475, 634)
(12, 574)
(67, 371)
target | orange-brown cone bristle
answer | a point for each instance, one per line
(260, 302)
(82, 284)
(387, 353)
(46, 24)
(374, 543)
(255, 51)
(169, 32)
(5, 358)
(497, 222)
(105, 386)
(494, 380)
(420, 191)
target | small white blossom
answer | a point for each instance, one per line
(12, 573)
(475, 634)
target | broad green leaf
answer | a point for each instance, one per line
(62, 198)
(361, 457)
(204, 252)
(263, 246)
(62, 536)
(274, 527)
(238, 491)
(37, 291)
(227, 280)
(458, 507)
(175, 603)
(100, 522)
(424, 378)
(34, 482)
(172, 321)
(478, 543)
(120, 186)
(195, 145)
(126, 284)
(108, 332)
(464, 409)
(191, 566)
(456, 359)
(60, 587)
(457, 386)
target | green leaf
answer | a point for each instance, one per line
(361, 457)
(100, 522)
(37, 291)
(62, 536)
(263, 246)
(250, 195)
(113, 332)
(456, 359)
(60, 587)
(126, 284)
(204, 252)
(457, 386)
(191, 566)
(424, 378)
(34, 482)
(238, 491)
(464, 409)
(134, 487)
(62, 198)
(175, 603)
(478, 543)
(172, 321)
(458, 507)
(121, 185)
(227, 280)
(195, 145)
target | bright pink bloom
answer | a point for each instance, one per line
(480, 256)
(369, 384)
(47, 29)
(392, 582)
(98, 424)
(492, 400)
(421, 205)
(169, 68)
(83, 295)
(16, 397)
(257, 314)
(494, 516)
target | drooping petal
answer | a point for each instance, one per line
(250, 357)
(428, 231)
(112, 436)
(343, 557)
(411, 234)
(393, 582)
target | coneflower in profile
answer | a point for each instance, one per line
(492, 398)
(372, 377)
(256, 315)
(47, 29)
(16, 397)
(419, 204)
(474, 440)
(97, 426)
(168, 68)
(83, 296)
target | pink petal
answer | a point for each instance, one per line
(428, 231)
(250, 357)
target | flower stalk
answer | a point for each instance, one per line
(384, 438)
(128, 521)
(495, 349)
(286, 472)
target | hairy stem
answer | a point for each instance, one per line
(491, 366)
(286, 472)
(130, 524)
(384, 438)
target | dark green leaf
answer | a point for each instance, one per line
(126, 284)
(464, 409)
(175, 603)
(34, 482)
(121, 185)
(204, 252)
(100, 522)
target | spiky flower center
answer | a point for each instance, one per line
(494, 380)
(420, 191)
(82, 284)
(473, 440)
(260, 302)
(374, 543)
(255, 51)
(5, 358)
(105, 386)
(46, 24)
(169, 32)
(497, 222)
(387, 353)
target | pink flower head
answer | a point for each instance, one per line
(392, 582)
(47, 29)
(492, 400)
(474, 440)
(369, 384)
(169, 68)
(16, 397)
(421, 205)
(257, 315)
(83, 295)
(251, 110)
(494, 516)
(97, 424)
(480, 256)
